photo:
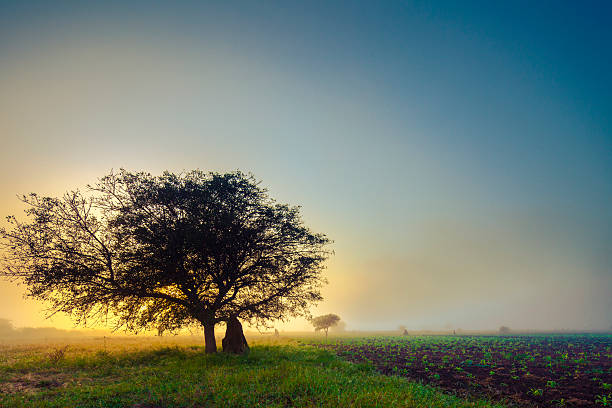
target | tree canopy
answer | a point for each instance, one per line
(164, 252)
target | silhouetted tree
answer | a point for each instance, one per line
(166, 252)
(234, 340)
(504, 330)
(325, 322)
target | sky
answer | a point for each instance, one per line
(458, 155)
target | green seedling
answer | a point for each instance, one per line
(605, 400)
(536, 392)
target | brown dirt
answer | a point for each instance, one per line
(31, 383)
(526, 371)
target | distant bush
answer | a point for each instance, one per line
(57, 355)
(6, 328)
(504, 330)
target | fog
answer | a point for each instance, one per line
(460, 161)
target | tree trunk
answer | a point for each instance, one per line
(209, 338)
(234, 340)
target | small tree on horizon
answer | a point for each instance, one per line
(165, 252)
(325, 322)
(6, 328)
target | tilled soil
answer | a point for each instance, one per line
(543, 371)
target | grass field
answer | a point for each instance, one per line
(141, 373)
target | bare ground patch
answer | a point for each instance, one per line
(31, 383)
(35, 382)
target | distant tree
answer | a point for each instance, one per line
(6, 328)
(325, 322)
(504, 330)
(164, 252)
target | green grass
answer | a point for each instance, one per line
(270, 376)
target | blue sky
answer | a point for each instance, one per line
(459, 155)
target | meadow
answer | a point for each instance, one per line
(375, 371)
(153, 373)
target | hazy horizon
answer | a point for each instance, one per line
(460, 158)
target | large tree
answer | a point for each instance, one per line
(164, 252)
